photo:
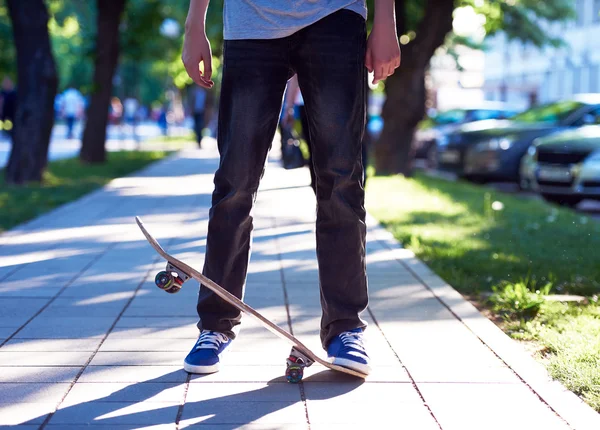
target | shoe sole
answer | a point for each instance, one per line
(201, 370)
(351, 364)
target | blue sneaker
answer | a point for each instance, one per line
(347, 350)
(204, 356)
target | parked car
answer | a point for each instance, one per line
(426, 139)
(564, 167)
(492, 150)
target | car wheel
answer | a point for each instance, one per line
(523, 183)
(570, 201)
(475, 179)
(431, 157)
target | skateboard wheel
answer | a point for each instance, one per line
(294, 373)
(164, 280)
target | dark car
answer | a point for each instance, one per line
(434, 129)
(564, 167)
(492, 150)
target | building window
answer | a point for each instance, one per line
(594, 70)
(562, 77)
(580, 11)
(577, 80)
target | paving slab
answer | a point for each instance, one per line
(138, 358)
(38, 374)
(115, 413)
(133, 374)
(478, 407)
(12, 414)
(45, 358)
(437, 362)
(50, 345)
(97, 426)
(113, 343)
(237, 413)
(32, 392)
(70, 327)
(376, 414)
(161, 392)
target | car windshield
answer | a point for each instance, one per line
(450, 117)
(466, 115)
(552, 113)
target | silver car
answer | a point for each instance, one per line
(564, 167)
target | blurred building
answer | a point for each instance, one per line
(524, 75)
(456, 73)
(455, 80)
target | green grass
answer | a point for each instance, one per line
(185, 138)
(64, 181)
(482, 240)
(453, 228)
(568, 337)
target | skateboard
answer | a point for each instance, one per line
(177, 272)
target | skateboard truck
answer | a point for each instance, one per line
(296, 363)
(171, 279)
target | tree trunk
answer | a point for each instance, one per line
(93, 148)
(403, 109)
(36, 90)
(405, 90)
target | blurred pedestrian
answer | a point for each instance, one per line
(130, 111)
(8, 107)
(72, 109)
(294, 103)
(163, 121)
(116, 111)
(200, 107)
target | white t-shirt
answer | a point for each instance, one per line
(72, 102)
(130, 107)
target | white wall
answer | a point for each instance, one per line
(551, 73)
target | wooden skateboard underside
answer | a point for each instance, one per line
(233, 300)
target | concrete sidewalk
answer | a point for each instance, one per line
(87, 339)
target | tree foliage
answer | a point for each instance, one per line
(150, 60)
(8, 65)
(424, 26)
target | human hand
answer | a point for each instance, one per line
(383, 50)
(196, 50)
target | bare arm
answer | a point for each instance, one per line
(196, 47)
(383, 50)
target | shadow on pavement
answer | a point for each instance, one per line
(235, 409)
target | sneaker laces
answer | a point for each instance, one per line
(353, 340)
(210, 340)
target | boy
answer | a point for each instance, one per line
(267, 42)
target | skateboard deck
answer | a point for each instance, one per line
(177, 272)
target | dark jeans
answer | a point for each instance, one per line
(198, 126)
(70, 120)
(306, 136)
(328, 57)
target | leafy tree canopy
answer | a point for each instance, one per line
(150, 57)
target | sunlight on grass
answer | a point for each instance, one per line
(569, 339)
(184, 138)
(65, 181)
(454, 228)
